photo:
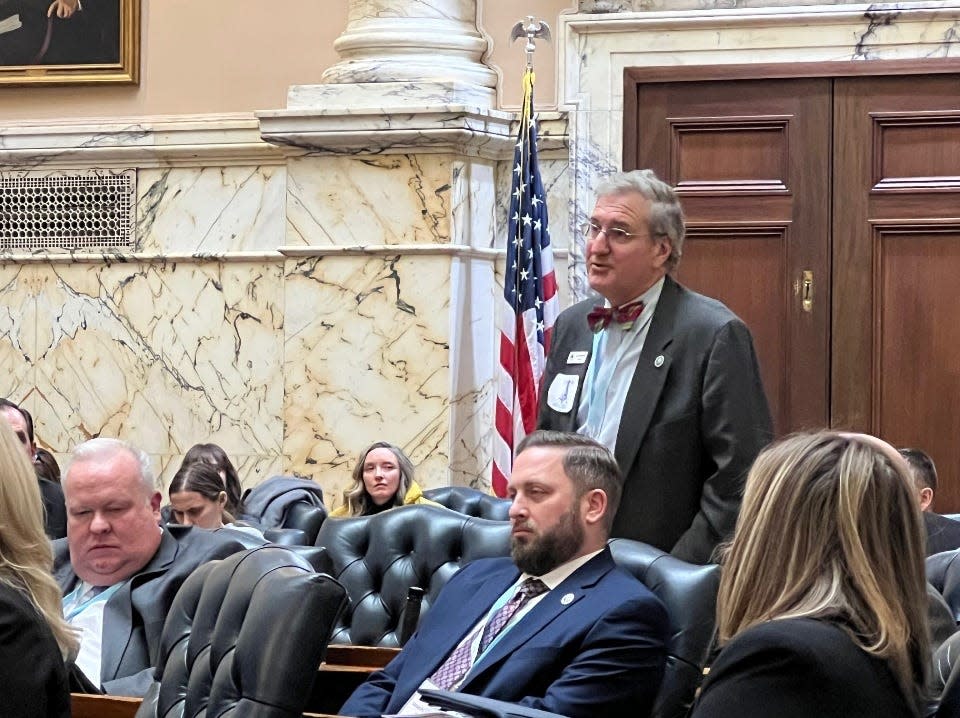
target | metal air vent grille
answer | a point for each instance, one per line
(78, 210)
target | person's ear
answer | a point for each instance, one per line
(664, 248)
(222, 499)
(926, 498)
(594, 504)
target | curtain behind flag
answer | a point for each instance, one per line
(530, 303)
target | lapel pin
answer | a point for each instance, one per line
(567, 599)
(658, 362)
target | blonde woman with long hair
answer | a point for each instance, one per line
(382, 480)
(34, 638)
(822, 603)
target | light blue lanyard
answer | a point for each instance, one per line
(601, 374)
(73, 598)
(500, 603)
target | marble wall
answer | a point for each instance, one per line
(178, 340)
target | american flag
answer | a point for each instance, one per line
(530, 303)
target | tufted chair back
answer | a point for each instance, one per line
(378, 558)
(245, 636)
(689, 593)
(471, 502)
(943, 573)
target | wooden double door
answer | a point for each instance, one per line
(825, 211)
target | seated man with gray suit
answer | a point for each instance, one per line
(557, 627)
(118, 570)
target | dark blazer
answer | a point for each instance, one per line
(694, 419)
(134, 615)
(33, 680)
(799, 668)
(54, 509)
(943, 534)
(594, 645)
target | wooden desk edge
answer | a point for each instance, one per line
(371, 658)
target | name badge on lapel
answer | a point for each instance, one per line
(577, 357)
(562, 392)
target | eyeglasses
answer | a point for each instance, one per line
(615, 235)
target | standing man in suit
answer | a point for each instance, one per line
(558, 627)
(665, 378)
(118, 570)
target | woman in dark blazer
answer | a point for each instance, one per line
(34, 638)
(822, 603)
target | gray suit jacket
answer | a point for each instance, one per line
(694, 419)
(133, 617)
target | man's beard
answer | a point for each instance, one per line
(541, 554)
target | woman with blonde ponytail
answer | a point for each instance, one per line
(34, 638)
(822, 603)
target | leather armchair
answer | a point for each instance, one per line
(943, 573)
(471, 502)
(949, 704)
(245, 636)
(378, 558)
(689, 593)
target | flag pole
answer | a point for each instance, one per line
(530, 292)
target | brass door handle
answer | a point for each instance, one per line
(806, 290)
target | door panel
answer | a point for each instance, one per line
(856, 179)
(757, 207)
(896, 348)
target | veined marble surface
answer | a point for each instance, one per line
(367, 359)
(608, 6)
(598, 48)
(164, 355)
(210, 210)
(195, 141)
(348, 201)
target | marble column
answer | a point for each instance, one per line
(391, 245)
(399, 41)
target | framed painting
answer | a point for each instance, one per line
(65, 42)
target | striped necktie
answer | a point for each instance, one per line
(452, 670)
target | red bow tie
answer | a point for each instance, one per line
(625, 316)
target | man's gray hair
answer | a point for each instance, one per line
(666, 214)
(105, 448)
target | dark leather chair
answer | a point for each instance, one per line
(943, 573)
(306, 517)
(689, 593)
(949, 703)
(471, 502)
(379, 558)
(245, 636)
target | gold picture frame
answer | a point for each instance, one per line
(97, 43)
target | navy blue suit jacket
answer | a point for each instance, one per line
(594, 645)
